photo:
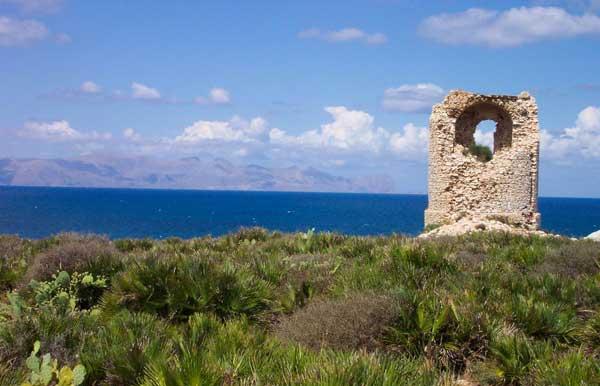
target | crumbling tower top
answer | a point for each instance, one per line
(462, 182)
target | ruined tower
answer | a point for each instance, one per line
(461, 184)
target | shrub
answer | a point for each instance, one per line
(591, 332)
(543, 320)
(120, 348)
(571, 369)
(415, 265)
(60, 333)
(513, 358)
(481, 152)
(234, 352)
(91, 254)
(131, 245)
(437, 327)
(572, 259)
(250, 234)
(177, 288)
(354, 322)
(12, 261)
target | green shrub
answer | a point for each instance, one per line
(438, 328)
(121, 347)
(177, 288)
(304, 309)
(543, 320)
(213, 353)
(481, 152)
(131, 245)
(514, 356)
(60, 327)
(574, 368)
(13, 261)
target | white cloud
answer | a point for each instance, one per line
(412, 97)
(46, 6)
(141, 91)
(90, 87)
(58, 131)
(411, 143)
(344, 35)
(485, 138)
(353, 131)
(512, 27)
(350, 130)
(219, 96)
(131, 134)
(581, 140)
(234, 130)
(14, 32)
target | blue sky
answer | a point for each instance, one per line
(344, 86)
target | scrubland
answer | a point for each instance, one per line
(266, 308)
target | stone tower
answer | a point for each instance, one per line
(504, 188)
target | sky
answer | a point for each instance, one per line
(343, 86)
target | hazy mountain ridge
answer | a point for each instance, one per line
(184, 173)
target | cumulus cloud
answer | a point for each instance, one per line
(14, 32)
(58, 131)
(354, 131)
(581, 140)
(412, 142)
(234, 130)
(349, 130)
(90, 87)
(141, 91)
(217, 96)
(45, 6)
(412, 98)
(512, 27)
(344, 35)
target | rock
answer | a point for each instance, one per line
(594, 236)
(470, 224)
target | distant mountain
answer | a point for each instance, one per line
(185, 173)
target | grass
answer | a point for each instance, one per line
(258, 307)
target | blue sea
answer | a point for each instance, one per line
(118, 213)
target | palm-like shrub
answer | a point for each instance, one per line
(514, 356)
(543, 320)
(574, 368)
(438, 328)
(177, 288)
(121, 348)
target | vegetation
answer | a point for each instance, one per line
(481, 152)
(258, 307)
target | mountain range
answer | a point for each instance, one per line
(183, 173)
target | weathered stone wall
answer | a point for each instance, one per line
(505, 188)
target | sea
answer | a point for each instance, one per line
(37, 212)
